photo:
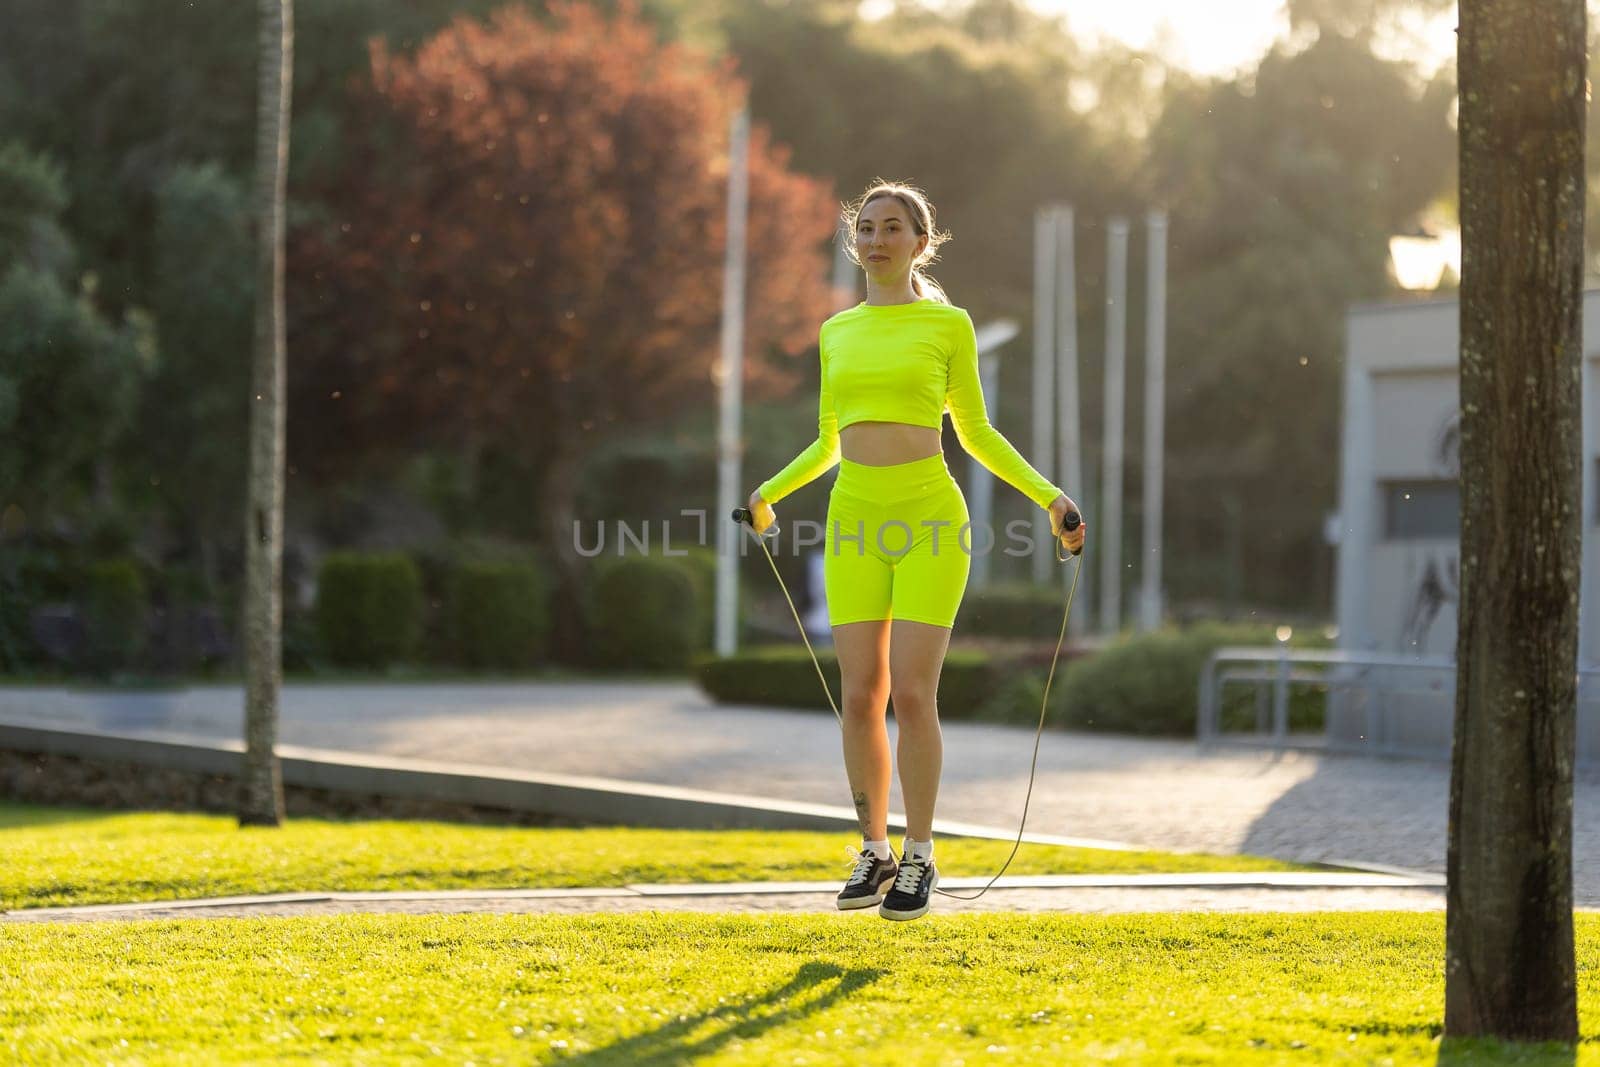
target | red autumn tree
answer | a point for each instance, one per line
(527, 245)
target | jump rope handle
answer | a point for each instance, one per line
(745, 517)
(1069, 522)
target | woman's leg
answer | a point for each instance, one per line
(858, 587)
(863, 651)
(929, 583)
(916, 657)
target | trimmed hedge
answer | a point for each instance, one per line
(777, 676)
(499, 615)
(449, 637)
(369, 608)
(701, 566)
(645, 613)
(1140, 685)
(783, 676)
(1031, 611)
(301, 644)
(1148, 684)
(969, 683)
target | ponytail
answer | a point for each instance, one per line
(925, 286)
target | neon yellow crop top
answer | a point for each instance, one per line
(906, 363)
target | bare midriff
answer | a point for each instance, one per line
(884, 444)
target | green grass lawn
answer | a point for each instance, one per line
(56, 856)
(749, 990)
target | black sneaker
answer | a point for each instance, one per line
(867, 882)
(912, 887)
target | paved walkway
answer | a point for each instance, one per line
(1161, 793)
(1098, 900)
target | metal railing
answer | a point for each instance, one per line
(1358, 702)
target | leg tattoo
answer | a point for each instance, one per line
(863, 815)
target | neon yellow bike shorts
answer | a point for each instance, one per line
(897, 543)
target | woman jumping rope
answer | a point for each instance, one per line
(897, 547)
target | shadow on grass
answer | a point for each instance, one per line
(806, 993)
(1475, 1051)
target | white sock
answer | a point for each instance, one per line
(922, 850)
(879, 849)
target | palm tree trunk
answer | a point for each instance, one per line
(261, 785)
(1509, 967)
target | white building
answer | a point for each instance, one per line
(1398, 525)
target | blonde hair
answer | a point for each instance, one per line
(921, 212)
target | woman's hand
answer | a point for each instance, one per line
(1060, 508)
(761, 513)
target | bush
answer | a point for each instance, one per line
(192, 631)
(776, 676)
(488, 603)
(644, 613)
(29, 579)
(369, 608)
(499, 615)
(969, 683)
(115, 609)
(302, 647)
(1149, 684)
(438, 564)
(1016, 700)
(1032, 611)
(783, 676)
(701, 566)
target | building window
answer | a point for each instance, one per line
(1414, 511)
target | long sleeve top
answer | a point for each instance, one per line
(907, 363)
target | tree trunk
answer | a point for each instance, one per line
(1509, 969)
(261, 785)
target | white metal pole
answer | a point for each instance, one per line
(1110, 543)
(730, 443)
(982, 509)
(1069, 414)
(983, 539)
(1044, 292)
(1155, 414)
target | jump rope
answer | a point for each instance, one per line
(1070, 522)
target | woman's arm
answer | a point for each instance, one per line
(819, 455)
(970, 416)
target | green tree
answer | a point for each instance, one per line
(201, 298)
(1360, 19)
(32, 198)
(982, 105)
(68, 382)
(68, 377)
(1284, 186)
(980, 118)
(542, 264)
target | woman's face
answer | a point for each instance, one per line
(887, 242)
